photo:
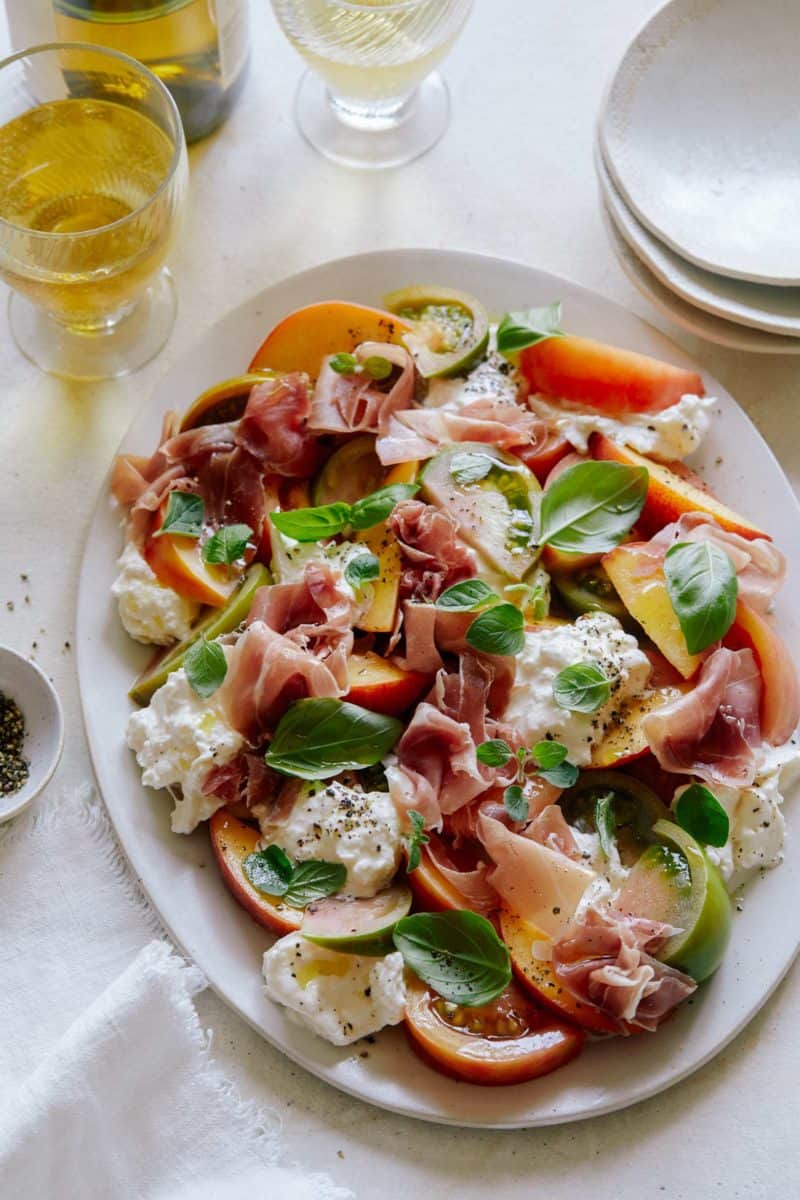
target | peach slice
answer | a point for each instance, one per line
(669, 494)
(641, 586)
(603, 377)
(382, 687)
(780, 698)
(624, 740)
(540, 980)
(300, 341)
(178, 563)
(232, 841)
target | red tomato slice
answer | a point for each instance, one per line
(605, 377)
(510, 1040)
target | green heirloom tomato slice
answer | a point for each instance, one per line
(357, 926)
(351, 472)
(588, 590)
(450, 329)
(635, 809)
(494, 498)
(674, 882)
(216, 622)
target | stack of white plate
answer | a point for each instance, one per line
(698, 158)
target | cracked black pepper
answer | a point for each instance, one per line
(13, 766)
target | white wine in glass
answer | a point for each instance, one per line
(92, 181)
(372, 97)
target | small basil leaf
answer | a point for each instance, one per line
(469, 467)
(361, 570)
(703, 589)
(581, 688)
(415, 839)
(549, 754)
(494, 753)
(376, 507)
(456, 953)
(498, 630)
(227, 544)
(316, 739)
(520, 329)
(377, 367)
(185, 515)
(591, 506)
(206, 667)
(515, 802)
(467, 596)
(343, 364)
(270, 871)
(314, 880)
(700, 813)
(565, 775)
(312, 524)
(605, 822)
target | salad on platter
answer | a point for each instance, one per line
(474, 681)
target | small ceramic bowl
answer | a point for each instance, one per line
(22, 681)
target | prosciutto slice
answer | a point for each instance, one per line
(713, 730)
(606, 960)
(275, 429)
(538, 883)
(433, 554)
(474, 886)
(358, 403)
(267, 671)
(417, 433)
(760, 566)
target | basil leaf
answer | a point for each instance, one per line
(469, 467)
(520, 329)
(549, 754)
(591, 506)
(316, 739)
(376, 507)
(703, 590)
(312, 524)
(314, 880)
(185, 515)
(494, 753)
(700, 813)
(377, 367)
(227, 544)
(605, 822)
(361, 570)
(562, 776)
(499, 630)
(415, 839)
(467, 596)
(270, 871)
(581, 688)
(206, 666)
(456, 953)
(515, 802)
(343, 364)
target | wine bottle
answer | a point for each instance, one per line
(198, 48)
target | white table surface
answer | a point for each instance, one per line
(513, 177)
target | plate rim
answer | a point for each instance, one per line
(788, 281)
(131, 853)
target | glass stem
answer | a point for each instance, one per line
(377, 116)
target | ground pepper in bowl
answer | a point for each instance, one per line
(13, 765)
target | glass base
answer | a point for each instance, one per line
(127, 345)
(377, 141)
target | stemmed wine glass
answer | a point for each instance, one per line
(93, 176)
(372, 98)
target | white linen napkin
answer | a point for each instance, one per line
(107, 1086)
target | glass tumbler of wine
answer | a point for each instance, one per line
(93, 176)
(372, 97)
